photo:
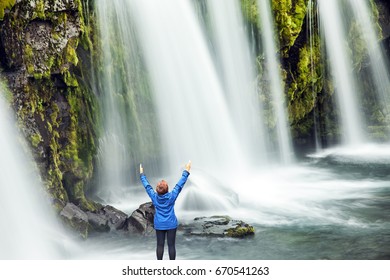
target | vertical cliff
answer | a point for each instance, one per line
(39, 44)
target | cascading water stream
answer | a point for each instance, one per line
(236, 64)
(113, 149)
(206, 113)
(378, 61)
(340, 63)
(311, 22)
(277, 92)
(28, 230)
(194, 117)
(193, 113)
(129, 131)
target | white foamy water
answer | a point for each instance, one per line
(277, 89)
(28, 229)
(341, 67)
(193, 113)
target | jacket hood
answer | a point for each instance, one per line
(163, 199)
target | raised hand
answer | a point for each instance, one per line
(188, 166)
(141, 169)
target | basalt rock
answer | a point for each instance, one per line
(141, 220)
(77, 219)
(107, 218)
(98, 222)
(218, 226)
(116, 218)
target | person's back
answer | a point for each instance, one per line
(165, 221)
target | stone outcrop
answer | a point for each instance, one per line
(116, 218)
(76, 218)
(39, 45)
(218, 226)
(105, 219)
(141, 220)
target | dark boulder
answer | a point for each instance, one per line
(141, 220)
(98, 222)
(218, 226)
(75, 218)
(116, 218)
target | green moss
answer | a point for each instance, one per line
(375, 19)
(306, 81)
(36, 139)
(289, 17)
(86, 25)
(70, 52)
(241, 231)
(251, 12)
(5, 4)
(28, 51)
(62, 118)
(9, 97)
(38, 76)
(39, 11)
(70, 80)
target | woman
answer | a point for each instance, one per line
(165, 221)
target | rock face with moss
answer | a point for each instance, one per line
(309, 89)
(39, 45)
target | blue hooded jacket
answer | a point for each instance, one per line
(165, 217)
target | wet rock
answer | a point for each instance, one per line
(141, 220)
(116, 218)
(98, 222)
(75, 218)
(218, 226)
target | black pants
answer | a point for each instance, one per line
(171, 236)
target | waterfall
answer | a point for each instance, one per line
(27, 228)
(354, 124)
(276, 82)
(129, 133)
(236, 69)
(378, 61)
(311, 21)
(341, 66)
(193, 113)
(202, 86)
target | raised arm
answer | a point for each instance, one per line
(180, 184)
(145, 183)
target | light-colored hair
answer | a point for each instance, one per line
(162, 187)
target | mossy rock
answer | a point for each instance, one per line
(56, 111)
(218, 226)
(241, 231)
(5, 4)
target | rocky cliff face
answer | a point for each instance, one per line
(39, 43)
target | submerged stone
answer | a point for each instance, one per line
(141, 222)
(219, 226)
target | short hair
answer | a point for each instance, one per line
(162, 187)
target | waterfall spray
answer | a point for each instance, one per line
(28, 229)
(277, 91)
(340, 62)
(238, 76)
